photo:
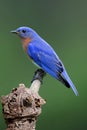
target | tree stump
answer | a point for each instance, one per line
(22, 106)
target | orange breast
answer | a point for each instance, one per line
(25, 42)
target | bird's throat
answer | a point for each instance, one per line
(25, 42)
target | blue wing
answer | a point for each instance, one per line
(44, 56)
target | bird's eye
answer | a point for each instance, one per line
(24, 31)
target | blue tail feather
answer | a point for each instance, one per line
(69, 82)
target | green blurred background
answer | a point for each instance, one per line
(63, 23)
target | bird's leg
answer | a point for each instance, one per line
(39, 74)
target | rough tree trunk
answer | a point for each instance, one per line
(22, 106)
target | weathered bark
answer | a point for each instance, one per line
(22, 106)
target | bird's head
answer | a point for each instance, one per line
(24, 32)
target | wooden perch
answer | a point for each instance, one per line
(22, 106)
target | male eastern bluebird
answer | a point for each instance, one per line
(44, 55)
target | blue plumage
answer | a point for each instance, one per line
(44, 56)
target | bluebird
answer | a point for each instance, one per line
(44, 55)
